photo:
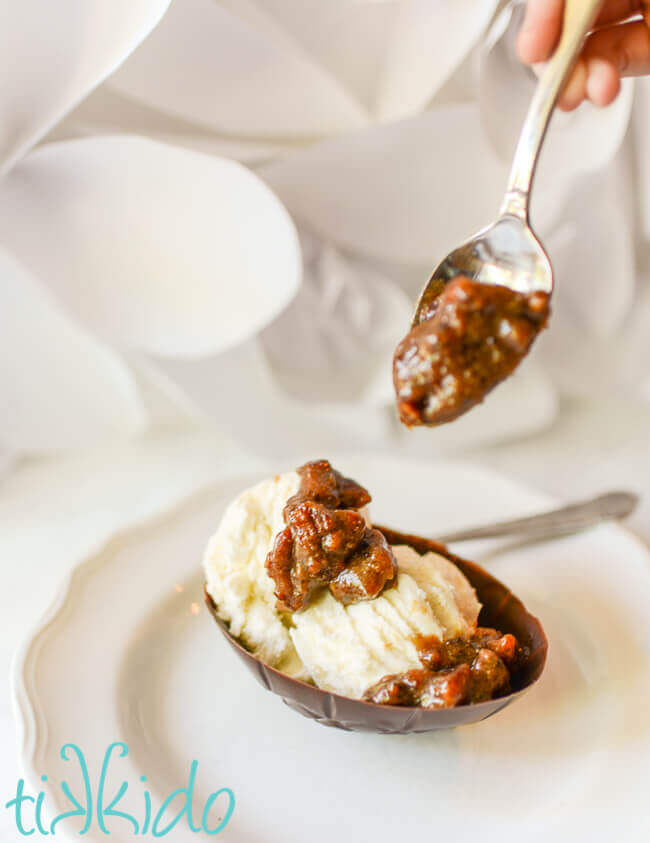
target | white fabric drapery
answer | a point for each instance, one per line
(146, 264)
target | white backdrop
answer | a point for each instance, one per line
(139, 268)
(219, 212)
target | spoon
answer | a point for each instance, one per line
(508, 253)
(558, 522)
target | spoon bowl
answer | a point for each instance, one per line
(506, 253)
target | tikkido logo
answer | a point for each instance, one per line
(98, 806)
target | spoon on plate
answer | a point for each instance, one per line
(558, 522)
(508, 253)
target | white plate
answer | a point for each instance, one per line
(129, 653)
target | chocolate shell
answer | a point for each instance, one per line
(501, 610)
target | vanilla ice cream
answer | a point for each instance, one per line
(344, 649)
(236, 578)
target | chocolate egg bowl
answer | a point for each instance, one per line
(500, 609)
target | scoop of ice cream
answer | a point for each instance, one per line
(342, 648)
(346, 649)
(235, 575)
(452, 598)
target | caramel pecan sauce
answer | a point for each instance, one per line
(327, 543)
(454, 672)
(471, 337)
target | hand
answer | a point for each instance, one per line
(616, 48)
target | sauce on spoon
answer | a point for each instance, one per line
(470, 338)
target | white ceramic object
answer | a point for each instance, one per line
(128, 652)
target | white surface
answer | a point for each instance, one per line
(209, 83)
(68, 377)
(189, 254)
(593, 447)
(55, 512)
(119, 244)
(56, 59)
(569, 761)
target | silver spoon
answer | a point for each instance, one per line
(508, 252)
(558, 522)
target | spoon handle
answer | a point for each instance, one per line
(559, 522)
(579, 17)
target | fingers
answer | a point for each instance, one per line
(594, 79)
(540, 30)
(626, 47)
(615, 11)
(542, 25)
(609, 54)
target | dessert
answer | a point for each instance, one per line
(306, 584)
(470, 338)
